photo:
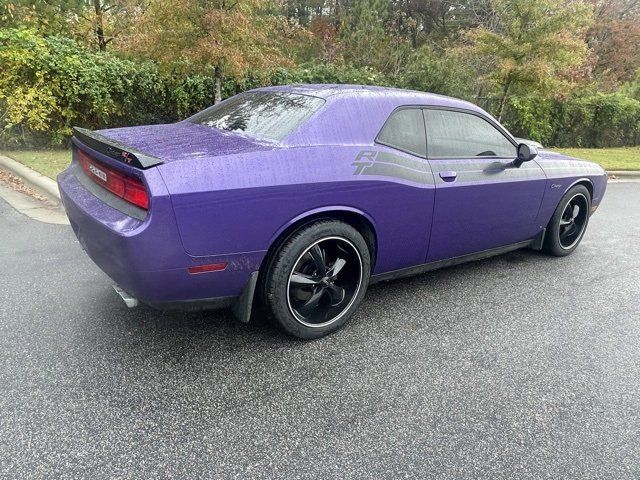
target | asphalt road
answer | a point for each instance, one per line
(521, 366)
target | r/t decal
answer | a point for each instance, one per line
(360, 165)
(384, 164)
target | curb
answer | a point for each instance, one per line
(33, 179)
(623, 174)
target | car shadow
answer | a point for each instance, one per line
(406, 304)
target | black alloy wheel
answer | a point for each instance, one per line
(317, 278)
(569, 222)
(573, 221)
(324, 281)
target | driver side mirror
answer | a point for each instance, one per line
(526, 153)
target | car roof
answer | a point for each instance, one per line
(354, 114)
(329, 91)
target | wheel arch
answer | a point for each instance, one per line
(552, 201)
(358, 219)
(582, 181)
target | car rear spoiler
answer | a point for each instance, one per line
(114, 149)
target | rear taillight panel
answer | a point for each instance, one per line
(128, 188)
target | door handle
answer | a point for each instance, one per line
(448, 176)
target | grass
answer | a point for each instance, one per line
(625, 158)
(47, 162)
(52, 162)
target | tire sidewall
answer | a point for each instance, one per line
(277, 278)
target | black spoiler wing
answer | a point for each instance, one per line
(114, 149)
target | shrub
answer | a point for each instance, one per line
(438, 72)
(598, 120)
(51, 84)
(531, 117)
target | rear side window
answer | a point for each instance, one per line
(261, 115)
(464, 135)
(404, 130)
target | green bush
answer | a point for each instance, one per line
(438, 72)
(598, 120)
(51, 84)
(531, 117)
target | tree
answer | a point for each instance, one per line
(107, 19)
(95, 22)
(45, 16)
(437, 71)
(373, 36)
(531, 45)
(614, 39)
(434, 20)
(236, 37)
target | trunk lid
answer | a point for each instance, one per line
(156, 144)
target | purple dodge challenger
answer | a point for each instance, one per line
(297, 198)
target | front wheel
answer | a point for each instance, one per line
(569, 222)
(318, 278)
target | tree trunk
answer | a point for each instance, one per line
(503, 100)
(479, 100)
(217, 71)
(102, 44)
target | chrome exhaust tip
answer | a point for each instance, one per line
(129, 300)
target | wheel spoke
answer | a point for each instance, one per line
(313, 296)
(571, 230)
(336, 294)
(302, 280)
(311, 304)
(573, 221)
(318, 259)
(337, 266)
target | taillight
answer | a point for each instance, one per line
(130, 189)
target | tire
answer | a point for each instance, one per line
(317, 279)
(568, 224)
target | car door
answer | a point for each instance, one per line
(400, 158)
(482, 200)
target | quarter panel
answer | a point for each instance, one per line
(563, 172)
(238, 203)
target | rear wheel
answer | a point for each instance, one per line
(317, 279)
(569, 222)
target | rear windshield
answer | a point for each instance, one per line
(262, 115)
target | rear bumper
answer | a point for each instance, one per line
(146, 257)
